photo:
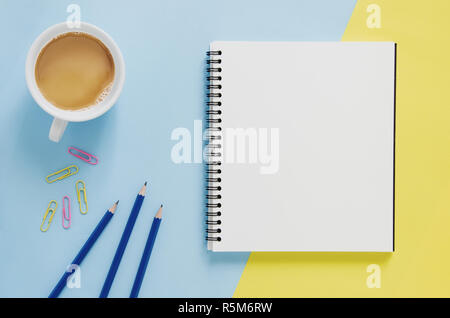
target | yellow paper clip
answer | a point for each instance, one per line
(52, 211)
(71, 170)
(83, 189)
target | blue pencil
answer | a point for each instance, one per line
(123, 242)
(146, 255)
(85, 249)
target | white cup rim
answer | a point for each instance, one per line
(85, 113)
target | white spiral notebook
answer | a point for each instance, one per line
(302, 145)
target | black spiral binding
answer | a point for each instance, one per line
(213, 155)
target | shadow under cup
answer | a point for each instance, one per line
(63, 116)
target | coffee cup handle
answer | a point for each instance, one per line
(57, 129)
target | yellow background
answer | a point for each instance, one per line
(420, 265)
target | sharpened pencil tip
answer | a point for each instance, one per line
(159, 213)
(114, 207)
(143, 189)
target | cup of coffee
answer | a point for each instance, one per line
(74, 74)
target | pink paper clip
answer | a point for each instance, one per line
(87, 157)
(64, 216)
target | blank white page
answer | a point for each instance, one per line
(333, 106)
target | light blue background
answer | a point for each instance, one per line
(164, 44)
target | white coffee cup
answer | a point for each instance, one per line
(61, 116)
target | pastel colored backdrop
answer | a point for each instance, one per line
(164, 45)
(419, 266)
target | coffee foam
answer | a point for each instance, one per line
(104, 94)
